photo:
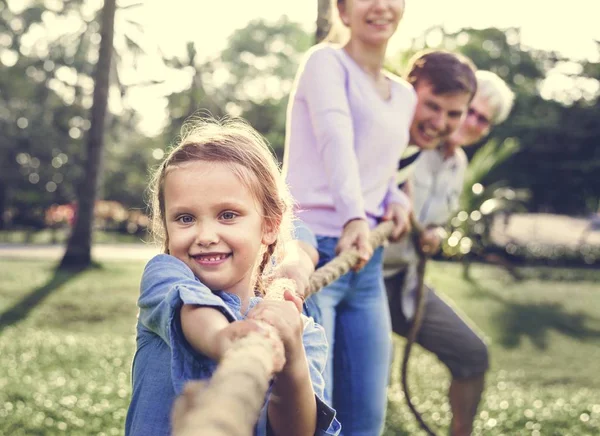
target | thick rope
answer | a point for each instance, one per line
(230, 403)
(342, 263)
(411, 337)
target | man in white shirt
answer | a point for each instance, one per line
(436, 182)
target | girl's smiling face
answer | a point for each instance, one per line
(215, 225)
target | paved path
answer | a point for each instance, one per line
(522, 229)
(99, 251)
(547, 229)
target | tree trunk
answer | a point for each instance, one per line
(3, 202)
(79, 247)
(323, 20)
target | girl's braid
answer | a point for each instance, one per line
(267, 255)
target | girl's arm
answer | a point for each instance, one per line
(209, 332)
(168, 286)
(292, 407)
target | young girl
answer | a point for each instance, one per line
(348, 124)
(223, 213)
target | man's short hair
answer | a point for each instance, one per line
(497, 94)
(445, 71)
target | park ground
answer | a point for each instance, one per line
(67, 340)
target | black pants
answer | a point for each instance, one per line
(443, 331)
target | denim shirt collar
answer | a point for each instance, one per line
(235, 303)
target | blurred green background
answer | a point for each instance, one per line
(544, 159)
(525, 233)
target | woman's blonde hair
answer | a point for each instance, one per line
(338, 32)
(235, 142)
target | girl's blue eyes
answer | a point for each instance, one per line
(185, 219)
(228, 216)
(188, 219)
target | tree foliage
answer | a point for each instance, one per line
(251, 78)
(46, 89)
(557, 127)
(46, 85)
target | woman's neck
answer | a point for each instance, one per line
(369, 58)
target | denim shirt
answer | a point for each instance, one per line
(164, 361)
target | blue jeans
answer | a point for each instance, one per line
(354, 312)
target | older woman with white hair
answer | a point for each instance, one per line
(490, 106)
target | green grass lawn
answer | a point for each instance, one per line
(66, 343)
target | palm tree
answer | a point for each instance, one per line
(78, 253)
(183, 104)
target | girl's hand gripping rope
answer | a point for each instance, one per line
(284, 317)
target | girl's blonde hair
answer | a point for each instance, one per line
(235, 142)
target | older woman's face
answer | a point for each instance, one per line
(476, 124)
(373, 22)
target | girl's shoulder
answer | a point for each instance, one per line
(165, 259)
(166, 265)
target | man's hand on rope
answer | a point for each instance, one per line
(356, 235)
(399, 215)
(431, 241)
(285, 317)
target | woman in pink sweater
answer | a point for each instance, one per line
(348, 122)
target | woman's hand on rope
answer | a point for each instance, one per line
(284, 316)
(356, 235)
(397, 213)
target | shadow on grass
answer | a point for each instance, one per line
(20, 310)
(517, 320)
